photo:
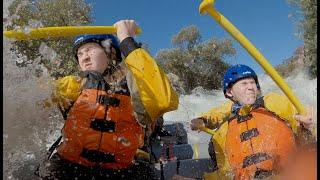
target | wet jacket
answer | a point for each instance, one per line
(126, 107)
(221, 118)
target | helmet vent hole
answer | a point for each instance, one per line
(234, 73)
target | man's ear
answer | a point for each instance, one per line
(229, 93)
(113, 53)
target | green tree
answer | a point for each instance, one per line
(308, 26)
(197, 63)
(187, 38)
(292, 65)
(28, 14)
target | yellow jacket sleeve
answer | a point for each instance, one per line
(67, 90)
(216, 116)
(155, 91)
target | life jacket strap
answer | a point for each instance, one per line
(103, 125)
(262, 173)
(249, 134)
(98, 156)
(255, 159)
(108, 101)
(244, 118)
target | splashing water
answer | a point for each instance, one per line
(28, 128)
(124, 141)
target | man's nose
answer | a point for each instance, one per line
(251, 85)
(86, 57)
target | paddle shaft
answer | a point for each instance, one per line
(63, 31)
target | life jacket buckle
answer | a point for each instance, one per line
(103, 125)
(244, 118)
(249, 134)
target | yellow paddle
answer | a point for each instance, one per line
(207, 130)
(63, 31)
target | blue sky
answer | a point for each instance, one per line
(265, 23)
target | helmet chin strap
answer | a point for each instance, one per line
(112, 65)
(111, 68)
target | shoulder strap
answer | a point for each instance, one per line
(54, 146)
(122, 87)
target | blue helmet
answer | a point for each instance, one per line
(236, 73)
(97, 38)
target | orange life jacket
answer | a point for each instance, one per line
(100, 129)
(258, 144)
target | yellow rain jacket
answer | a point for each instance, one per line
(151, 92)
(217, 118)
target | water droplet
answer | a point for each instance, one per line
(30, 156)
(26, 29)
(124, 141)
(19, 60)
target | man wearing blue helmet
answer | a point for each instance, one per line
(254, 134)
(110, 110)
